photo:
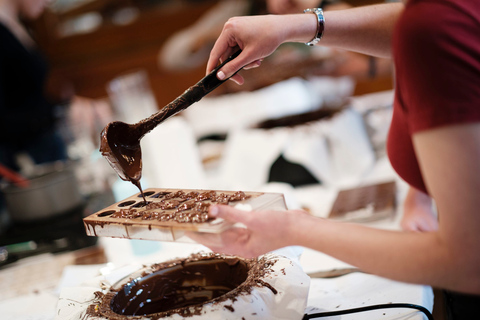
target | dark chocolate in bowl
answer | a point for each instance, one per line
(185, 284)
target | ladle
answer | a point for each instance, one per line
(120, 141)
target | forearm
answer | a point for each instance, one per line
(424, 258)
(366, 29)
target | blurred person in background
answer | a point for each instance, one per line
(29, 103)
(433, 143)
(40, 115)
(189, 48)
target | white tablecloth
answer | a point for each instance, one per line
(344, 292)
(360, 290)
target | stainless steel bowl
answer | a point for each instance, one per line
(53, 191)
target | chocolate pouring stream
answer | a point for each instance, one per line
(120, 141)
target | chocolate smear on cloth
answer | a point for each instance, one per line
(120, 141)
(184, 286)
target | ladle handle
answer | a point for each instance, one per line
(210, 82)
(193, 94)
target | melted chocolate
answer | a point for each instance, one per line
(179, 286)
(184, 287)
(120, 142)
(123, 153)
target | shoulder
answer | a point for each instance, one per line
(437, 22)
(437, 60)
(434, 36)
(440, 33)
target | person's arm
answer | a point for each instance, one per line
(447, 258)
(364, 29)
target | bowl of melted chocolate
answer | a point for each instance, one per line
(179, 286)
(184, 286)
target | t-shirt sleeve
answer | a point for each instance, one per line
(438, 65)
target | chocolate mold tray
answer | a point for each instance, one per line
(169, 213)
(365, 203)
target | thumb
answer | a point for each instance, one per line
(229, 213)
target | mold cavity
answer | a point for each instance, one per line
(126, 203)
(160, 194)
(141, 204)
(181, 285)
(106, 213)
(146, 194)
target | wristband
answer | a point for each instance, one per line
(320, 25)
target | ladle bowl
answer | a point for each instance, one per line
(120, 145)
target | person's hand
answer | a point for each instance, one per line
(418, 214)
(256, 36)
(264, 231)
(290, 6)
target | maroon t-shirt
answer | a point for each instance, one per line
(436, 49)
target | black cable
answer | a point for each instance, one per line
(369, 308)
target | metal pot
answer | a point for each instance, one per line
(52, 191)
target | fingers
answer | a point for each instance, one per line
(226, 71)
(254, 64)
(238, 79)
(207, 239)
(229, 69)
(229, 213)
(231, 241)
(220, 51)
